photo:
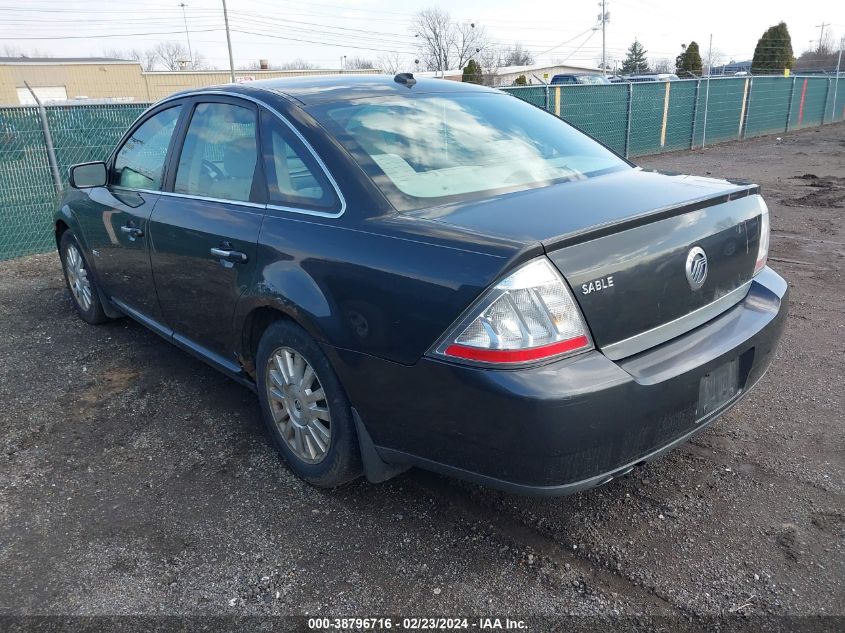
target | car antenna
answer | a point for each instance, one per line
(406, 79)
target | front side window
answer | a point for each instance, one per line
(293, 176)
(219, 154)
(434, 149)
(140, 162)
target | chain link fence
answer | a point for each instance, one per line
(633, 119)
(28, 194)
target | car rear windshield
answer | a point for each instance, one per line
(592, 79)
(434, 149)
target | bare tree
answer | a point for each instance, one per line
(433, 30)
(710, 58)
(517, 56)
(297, 64)
(173, 56)
(443, 43)
(468, 40)
(358, 63)
(662, 65)
(827, 44)
(15, 51)
(147, 58)
(393, 62)
(253, 65)
(490, 60)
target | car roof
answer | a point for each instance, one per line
(321, 89)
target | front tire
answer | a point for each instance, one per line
(80, 281)
(305, 409)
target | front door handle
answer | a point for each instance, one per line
(229, 255)
(132, 231)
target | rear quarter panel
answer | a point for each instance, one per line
(388, 287)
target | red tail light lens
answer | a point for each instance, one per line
(528, 316)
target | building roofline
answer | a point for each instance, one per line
(320, 71)
(63, 61)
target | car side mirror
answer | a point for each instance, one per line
(87, 175)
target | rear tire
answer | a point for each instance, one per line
(80, 281)
(305, 409)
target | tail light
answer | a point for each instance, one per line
(763, 249)
(528, 316)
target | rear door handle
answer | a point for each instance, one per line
(230, 256)
(132, 231)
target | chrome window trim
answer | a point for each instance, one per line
(283, 119)
(662, 333)
(190, 196)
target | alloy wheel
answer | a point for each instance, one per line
(77, 274)
(298, 404)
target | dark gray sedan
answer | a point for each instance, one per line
(429, 273)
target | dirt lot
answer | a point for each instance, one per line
(134, 479)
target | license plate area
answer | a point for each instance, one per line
(717, 387)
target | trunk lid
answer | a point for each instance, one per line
(622, 242)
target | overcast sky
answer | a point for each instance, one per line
(323, 31)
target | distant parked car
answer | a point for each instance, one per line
(428, 273)
(652, 77)
(583, 78)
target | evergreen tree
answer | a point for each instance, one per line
(689, 61)
(774, 51)
(472, 72)
(635, 61)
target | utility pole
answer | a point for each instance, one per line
(604, 17)
(229, 43)
(707, 93)
(821, 35)
(187, 34)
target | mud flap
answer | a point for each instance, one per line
(376, 470)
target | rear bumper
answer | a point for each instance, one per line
(565, 426)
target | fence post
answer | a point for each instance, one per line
(826, 98)
(789, 109)
(547, 97)
(706, 106)
(746, 106)
(628, 122)
(695, 113)
(48, 140)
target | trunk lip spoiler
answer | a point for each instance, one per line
(608, 228)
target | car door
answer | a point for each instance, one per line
(115, 218)
(205, 227)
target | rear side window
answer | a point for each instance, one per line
(293, 176)
(219, 154)
(140, 162)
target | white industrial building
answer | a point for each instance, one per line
(535, 74)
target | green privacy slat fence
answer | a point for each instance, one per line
(692, 112)
(768, 105)
(809, 102)
(27, 193)
(600, 111)
(26, 186)
(84, 133)
(633, 119)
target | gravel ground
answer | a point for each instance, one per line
(136, 480)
